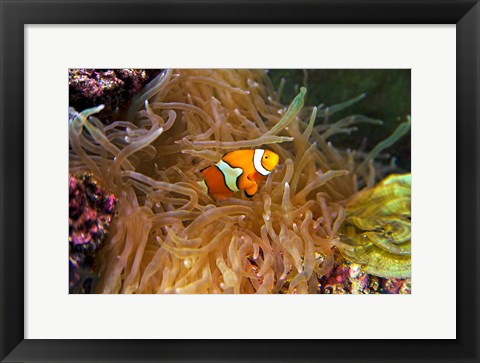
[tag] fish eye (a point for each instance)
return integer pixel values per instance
(266, 156)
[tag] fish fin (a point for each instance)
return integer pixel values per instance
(253, 177)
(250, 191)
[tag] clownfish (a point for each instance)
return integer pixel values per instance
(238, 170)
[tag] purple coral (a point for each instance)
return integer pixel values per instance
(396, 286)
(348, 278)
(91, 209)
(112, 87)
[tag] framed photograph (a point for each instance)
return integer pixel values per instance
(243, 181)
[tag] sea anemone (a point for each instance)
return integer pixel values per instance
(170, 236)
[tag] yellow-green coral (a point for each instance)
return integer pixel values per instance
(376, 232)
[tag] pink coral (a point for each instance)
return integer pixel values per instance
(90, 212)
(348, 278)
(112, 87)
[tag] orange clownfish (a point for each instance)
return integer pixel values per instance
(238, 170)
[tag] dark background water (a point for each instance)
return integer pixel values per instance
(388, 98)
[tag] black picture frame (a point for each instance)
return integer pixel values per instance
(15, 14)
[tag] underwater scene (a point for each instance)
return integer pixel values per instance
(239, 181)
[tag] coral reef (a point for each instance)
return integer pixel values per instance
(113, 87)
(376, 231)
(90, 212)
(349, 278)
(170, 236)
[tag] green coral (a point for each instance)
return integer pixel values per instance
(377, 229)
